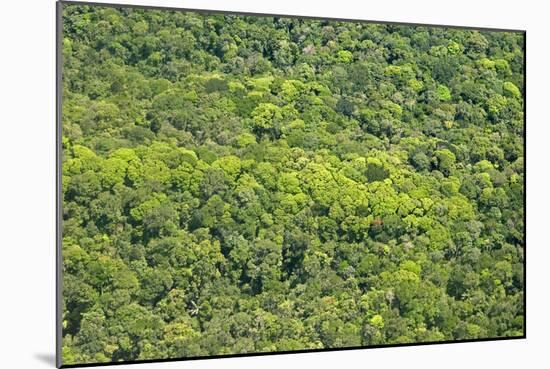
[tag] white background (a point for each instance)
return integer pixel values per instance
(27, 177)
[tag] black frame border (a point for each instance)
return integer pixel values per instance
(59, 198)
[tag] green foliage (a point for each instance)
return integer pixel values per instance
(445, 160)
(265, 118)
(511, 90)
(250, 184)
(443, 93)
(345, 56)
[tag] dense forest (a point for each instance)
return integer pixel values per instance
(239, 184)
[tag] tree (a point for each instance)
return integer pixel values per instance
(265, 119)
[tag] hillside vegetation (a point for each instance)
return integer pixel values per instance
(237, 184)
